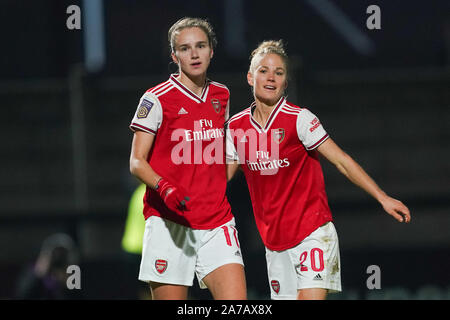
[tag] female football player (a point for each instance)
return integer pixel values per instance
(178, 130)
(277, 145)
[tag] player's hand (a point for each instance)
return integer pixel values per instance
(396, 209)
(171, 195)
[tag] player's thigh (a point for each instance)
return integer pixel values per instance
(163, 291)
(227, 282)
(312, 294)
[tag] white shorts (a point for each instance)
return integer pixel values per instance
(313, 263)
(173, 253)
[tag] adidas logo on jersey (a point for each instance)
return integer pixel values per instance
(182, 111)
(317, 277)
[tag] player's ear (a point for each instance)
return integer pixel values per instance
(211, 54)
(174, 57)
(250, 78)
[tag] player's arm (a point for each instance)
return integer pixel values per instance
(141, 169)
(356, 174)
(139, 166)
(231, 155)
(232, 167)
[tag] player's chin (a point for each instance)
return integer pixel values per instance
(269, 100)
(196, 72)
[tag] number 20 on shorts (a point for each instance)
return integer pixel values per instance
(316, 258)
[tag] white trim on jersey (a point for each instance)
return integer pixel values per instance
(166, 89)
(230, 149)
(271, 118)
(309, 130)
(288, 111)
(227, 111)
(238, 115)
(187, 92)
(160, 87)
(153, 120)
(217, 84)
(318, 143)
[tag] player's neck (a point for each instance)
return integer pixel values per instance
(262, 112)
(195, 84)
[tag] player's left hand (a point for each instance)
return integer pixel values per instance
(396, 209)
(174, 198)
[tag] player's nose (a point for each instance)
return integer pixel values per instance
(194, 54)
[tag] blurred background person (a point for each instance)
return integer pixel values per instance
(47, 278)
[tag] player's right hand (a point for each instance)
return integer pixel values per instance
(396, 209)
(172, 196)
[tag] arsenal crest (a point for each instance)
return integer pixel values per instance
(161, 265)
(278, 135)
(275, 286)
(216, 105)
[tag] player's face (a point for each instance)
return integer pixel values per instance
(269, 79)
(192, 52)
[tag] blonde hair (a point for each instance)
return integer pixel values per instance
(188, 22)
(266, 47)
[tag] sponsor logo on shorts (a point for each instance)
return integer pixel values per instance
(317, 277)
(275, 286)
(161, 266)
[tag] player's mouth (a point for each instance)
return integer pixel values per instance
(269, 87)
(196, 64)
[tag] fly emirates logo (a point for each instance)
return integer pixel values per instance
(203, 130)
(202, 145)
(266, 164)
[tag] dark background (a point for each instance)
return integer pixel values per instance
(385, 103)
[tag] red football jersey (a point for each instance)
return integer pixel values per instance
(188, 150)
(282, 170)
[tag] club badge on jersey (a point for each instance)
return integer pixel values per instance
(278, 135)
(216, 105)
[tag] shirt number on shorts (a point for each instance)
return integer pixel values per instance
(316, 257)
(227, 235)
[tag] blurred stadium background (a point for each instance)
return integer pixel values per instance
(383, 95)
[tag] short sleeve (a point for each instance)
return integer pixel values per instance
(227, 110)
(309, 129)
(148, 115)
(231, 153)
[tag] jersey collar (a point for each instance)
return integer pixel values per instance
(199, 99)
(273, 115)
